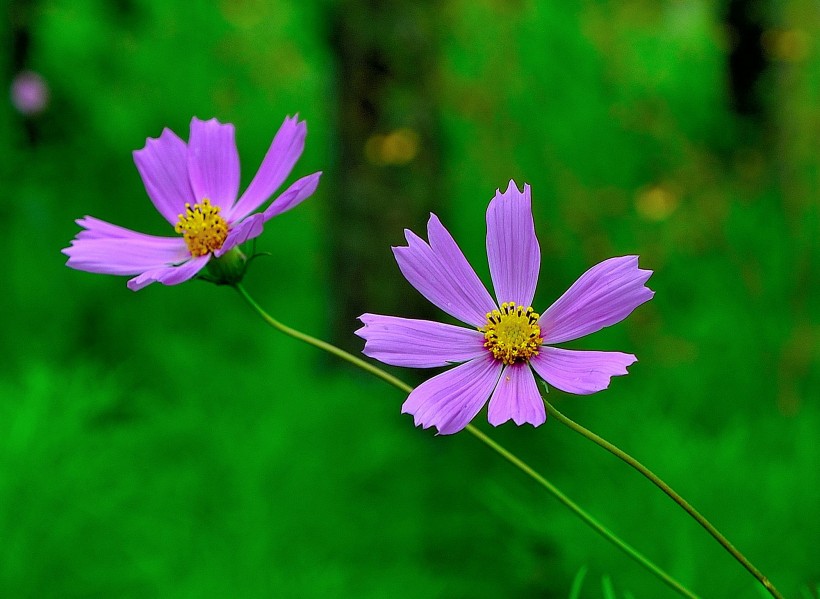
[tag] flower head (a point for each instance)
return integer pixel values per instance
(507, 339)
(29, 93)
(195, 187)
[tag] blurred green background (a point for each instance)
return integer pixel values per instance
(165, 444)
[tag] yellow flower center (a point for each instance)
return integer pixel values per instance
(202, 228)
(512, 333)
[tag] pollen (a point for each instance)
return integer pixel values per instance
(512, 333)
(202, 228)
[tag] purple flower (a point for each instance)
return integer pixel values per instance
(29, 93)
(508, 340)
(195, 187)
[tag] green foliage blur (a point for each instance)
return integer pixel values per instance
(166, 444)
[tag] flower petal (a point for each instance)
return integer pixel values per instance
(94, 228)
(441, 273)
(163, 166)
(170, 275)
(248, 229)
(605, 294)
(282, 155)
(516, 397)
(450, 400)
(512, 248)
(108, 249)
(418, 343)
(293, 195)
(580, 372)
(213, 163)
(252, 225)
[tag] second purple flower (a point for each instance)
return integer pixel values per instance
(195, 186)
(508, 339)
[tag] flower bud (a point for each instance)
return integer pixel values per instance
(229, 268)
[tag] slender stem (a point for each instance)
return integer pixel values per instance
(581, 513)
(658, 482)
(506, 454)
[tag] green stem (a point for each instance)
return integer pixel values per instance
(658, 482)
(506, 454)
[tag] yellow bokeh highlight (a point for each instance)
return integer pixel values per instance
(656, 203)
(787, 45)
(396, 148)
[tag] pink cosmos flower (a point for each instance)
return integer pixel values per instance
(195, 187)
(508, 340)
(29, 93)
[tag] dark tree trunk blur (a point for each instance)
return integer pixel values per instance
(387, 177)
(20, 14)
(744, 21)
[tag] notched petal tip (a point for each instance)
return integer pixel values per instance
(294, 195)
(153, 142)
(292, 129)
(412, 239)
(512, 188)
(433, 220)
(362, 331)
(211, 121)
(367, 319)
(293, 120)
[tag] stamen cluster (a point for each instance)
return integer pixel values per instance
(512, 333)
(202, 228)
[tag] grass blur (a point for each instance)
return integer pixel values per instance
(165, 443)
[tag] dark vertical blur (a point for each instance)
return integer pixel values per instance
(388, 174)
(20, 14)
(747, 61)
